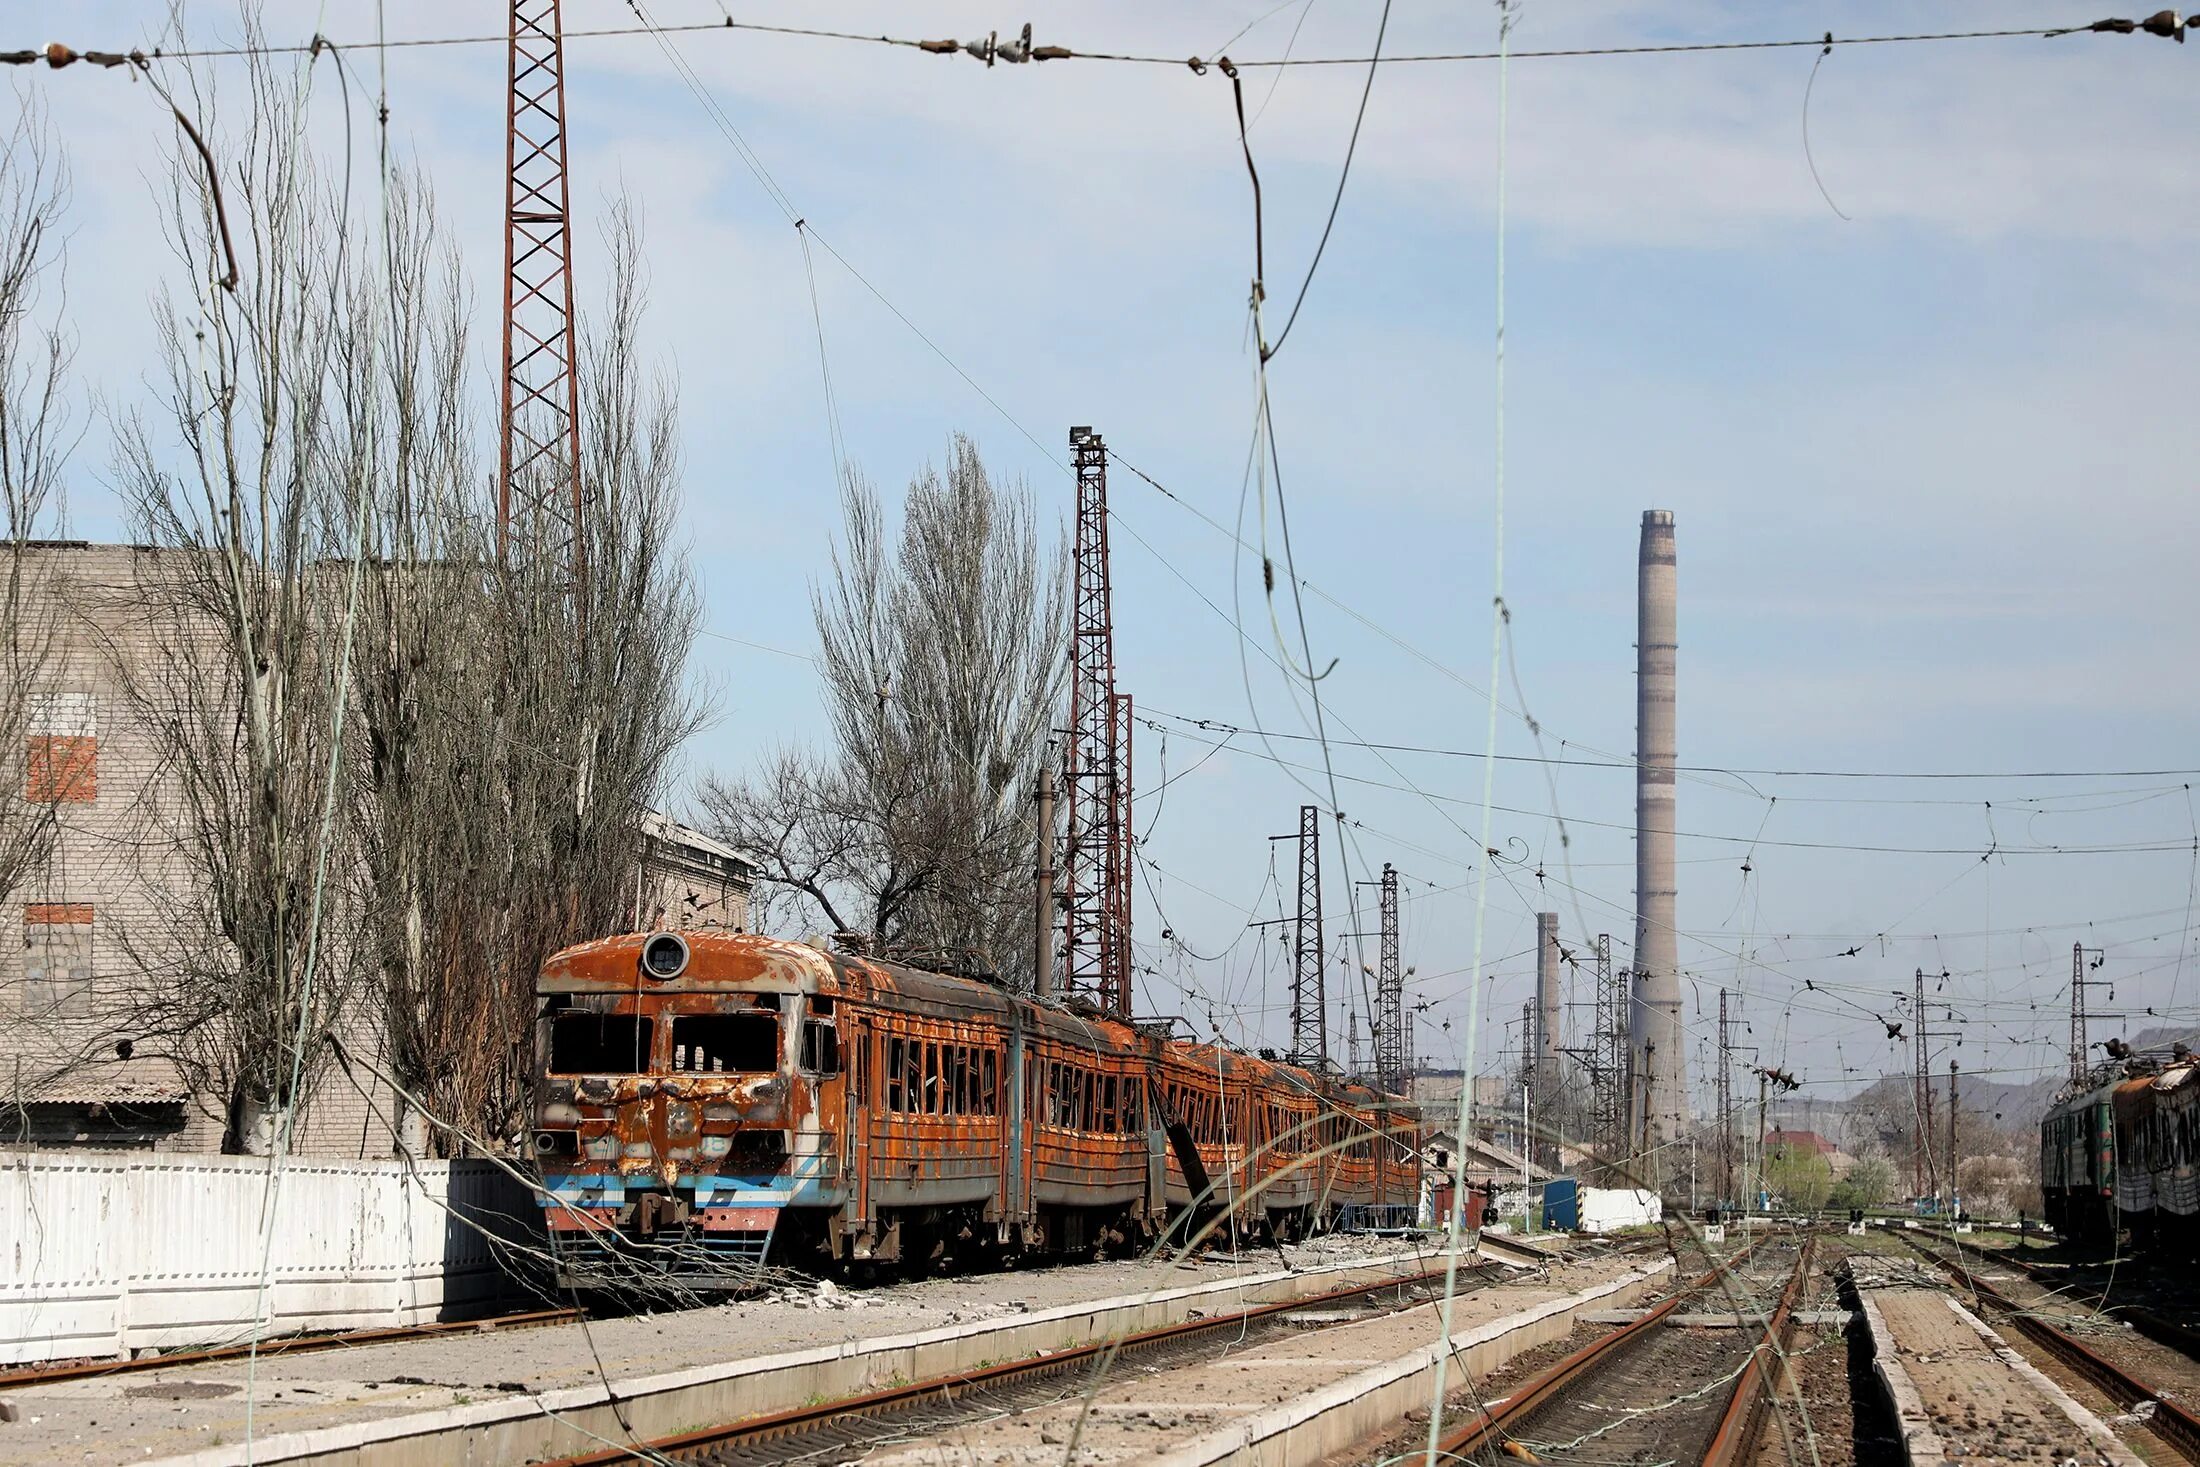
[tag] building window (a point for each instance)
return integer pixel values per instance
(57, 960)
(61, 760)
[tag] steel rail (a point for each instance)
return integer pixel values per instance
(289, 1345)
(1744, 1415)
(946, 1387)
(2171, 1422)
(2182, 1338)
(1494, 1422)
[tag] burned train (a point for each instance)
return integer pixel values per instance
(2120, 1159)
(704, 1098)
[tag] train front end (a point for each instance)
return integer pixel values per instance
(684, 1085)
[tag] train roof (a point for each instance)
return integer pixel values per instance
(718, 957)
(2175, 1080)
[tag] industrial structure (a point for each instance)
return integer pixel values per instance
(2081, 1066)
(1096, 865)
(1658, 1066)
(1393, 1031)
(1544, 1050)
(1602, 1061)
(541, 501)
(1309, 983)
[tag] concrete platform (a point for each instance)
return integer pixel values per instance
(1961, 1394)
(493, 1397)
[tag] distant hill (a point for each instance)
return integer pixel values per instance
(2009, 1106)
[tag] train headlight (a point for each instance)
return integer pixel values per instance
(664, 956)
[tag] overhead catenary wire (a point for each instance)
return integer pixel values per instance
(1344, 175)
(1224, 726)
(2146, 847)
(982, 50)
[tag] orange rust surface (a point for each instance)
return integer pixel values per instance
(920, 1111)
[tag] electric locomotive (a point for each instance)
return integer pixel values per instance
(2120, 1156)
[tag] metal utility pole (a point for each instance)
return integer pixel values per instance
(1096, 869)
(1927, 1169)
(1042, 970)
(1121, 856)
(541, 499)
(1767, 1078)
(1955, 1201)
(1921, 1094)
(1726, 1106)
(1528, 1079)
(2080, 1066)
(1352, 1045)
(1544, 1056)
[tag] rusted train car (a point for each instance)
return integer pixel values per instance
(705, 1097)
(2124, 1158)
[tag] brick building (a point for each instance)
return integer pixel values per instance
(77, 937)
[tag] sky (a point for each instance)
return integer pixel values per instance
(1918, 421)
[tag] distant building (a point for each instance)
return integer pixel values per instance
(79, 939)
(1486, 1161)
(684, 879)
(67, 1076)
(1780, 1140)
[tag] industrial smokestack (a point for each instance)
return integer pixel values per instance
(1658, 1092)
(1546, 1035)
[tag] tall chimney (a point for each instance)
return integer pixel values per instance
(1658, 1092)
(1546, 1035)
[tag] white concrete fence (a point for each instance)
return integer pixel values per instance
(113, 1255)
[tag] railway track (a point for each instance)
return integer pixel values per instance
(34, 1375)
(1579, 1403)
(2070, 1278)
(2047, 1324)
(843, 1429)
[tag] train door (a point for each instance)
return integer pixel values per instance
(862, 1062)
(1016, 1209)
(1147, 1089)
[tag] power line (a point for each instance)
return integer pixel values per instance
(1213, 725)
(1351, 149)
(991, 49)
(2140, 847)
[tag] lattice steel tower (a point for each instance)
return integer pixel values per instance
(2081, 1048)
(1393, 1036)
(1309, 983)
(1608, 1080)
(541, 500)
(1096, 865)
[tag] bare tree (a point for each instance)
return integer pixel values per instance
(37, 432)
(514, 731)
(248, 483)
(943, 659)
(44, 730)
